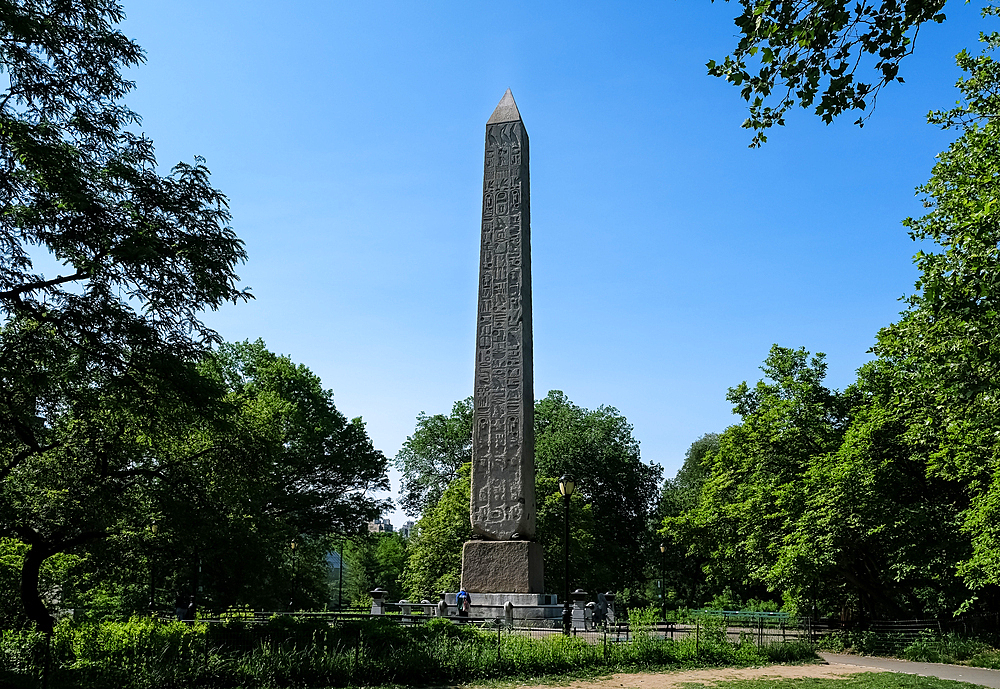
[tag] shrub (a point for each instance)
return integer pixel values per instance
(144, 653)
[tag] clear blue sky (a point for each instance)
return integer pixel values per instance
(667, 256)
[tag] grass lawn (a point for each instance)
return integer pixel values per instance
(867, 680)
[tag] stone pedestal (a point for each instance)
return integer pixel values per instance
(503, 566)
(516, 609)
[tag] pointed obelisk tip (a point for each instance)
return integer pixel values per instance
(506, 110)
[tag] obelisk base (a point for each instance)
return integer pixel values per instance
(503, 567)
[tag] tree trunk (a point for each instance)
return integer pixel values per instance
(34, 608)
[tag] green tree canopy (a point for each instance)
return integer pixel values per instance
(684, 582)
(230, 485)
(375, 560)
(434, 561)
(597, 448)
(816, 498)
(430, 459)
(143, 253)
(810, 53)
(945, 347)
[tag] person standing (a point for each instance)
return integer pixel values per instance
(464, 602)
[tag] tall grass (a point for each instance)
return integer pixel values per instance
(144, 653)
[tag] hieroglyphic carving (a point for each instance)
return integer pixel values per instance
(503, 467)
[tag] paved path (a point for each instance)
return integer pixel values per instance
(962, 673)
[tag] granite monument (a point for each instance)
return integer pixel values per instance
(503, 557)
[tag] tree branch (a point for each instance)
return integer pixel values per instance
(43, 284)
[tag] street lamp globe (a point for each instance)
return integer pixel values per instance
(567, 484)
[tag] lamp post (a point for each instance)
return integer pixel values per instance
(340, 592)
(663, 579)
(291, 602)
(153, 528)
(566, 486)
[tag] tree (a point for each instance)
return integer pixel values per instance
(793, 52)
(285, 465)
(684, 579)
(230, 484)
(375, 560)
(944, 346)
(597, 448)
(316, 469)
(430, 459)
(754, 483)
(684, 490)
(86, 352)
(816, 496)
(434, 563)
(585, 550)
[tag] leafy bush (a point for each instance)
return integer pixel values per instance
(950, 648)
(988, 659)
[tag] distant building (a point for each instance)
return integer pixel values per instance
(380, 526)
(406, 529)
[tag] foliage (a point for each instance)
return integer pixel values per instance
(430, 459)
(375, 560)
(753, 490)
(231, 485)
(315, 468)
(684, 490)
(944, 345)
(795, 52)
(684, 581)
(144, 253)
(434, 562)
(584, 549)
(91, 358)
(948, 648)
(282, 465)
(597, 448)
(815, 496)
(144, 653)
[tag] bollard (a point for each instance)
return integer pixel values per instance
(508, 613)
(378, 602)
(579, 612)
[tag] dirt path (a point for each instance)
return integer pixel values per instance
(674, 680)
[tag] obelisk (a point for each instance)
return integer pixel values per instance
(504, 558)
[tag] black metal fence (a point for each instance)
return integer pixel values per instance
(892, 637)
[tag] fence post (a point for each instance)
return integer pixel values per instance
(697, 627)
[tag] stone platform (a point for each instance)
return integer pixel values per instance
(533, 609)
(514, 566)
